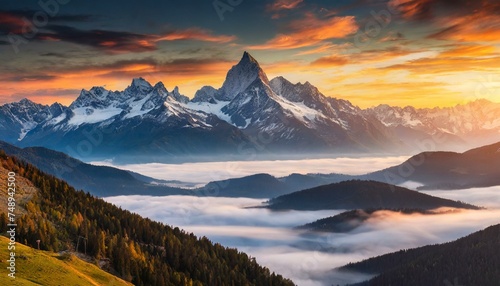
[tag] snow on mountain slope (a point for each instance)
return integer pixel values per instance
(302, 112)
(476, 123)
(298, 112)
(291, 117)
(139, 99)
(18, 118)
(143, 120)
(241, 76)
(248, 96)
(84, 115)
(307, 98)
(459, 120)
(205, 94)
(213, 107)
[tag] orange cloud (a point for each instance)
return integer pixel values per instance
(321, 49)
(195, 34)
(283, 5)
(448, 64)
(310, 31)
(341, 56)
(470, 51)
(479, 27)
(412, 9)
(461, 20)
(330, 61)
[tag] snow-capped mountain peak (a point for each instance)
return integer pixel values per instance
(300, 92)
(139, 86)
(137, 100)
(178, 96)
(206, 94)
(241, 76)
(96, 97)
(21, 117)
(291, 117)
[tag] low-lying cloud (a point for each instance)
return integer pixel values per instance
(309, 259)
(214, 171)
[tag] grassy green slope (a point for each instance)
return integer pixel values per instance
(37, 267)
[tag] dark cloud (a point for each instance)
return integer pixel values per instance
(11, 23)
(46, 92)
(19, 22)
(119, 68)
(22, 21)
(58, 17)
(52, 54)
(29, 77)
(103, 39)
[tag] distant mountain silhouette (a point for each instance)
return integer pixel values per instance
(356, 194)
(98, 180)
(350, 220)
(267, 186)
(478, 167)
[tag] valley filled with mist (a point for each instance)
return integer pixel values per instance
(275, 238)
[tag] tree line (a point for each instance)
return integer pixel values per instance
(139, 250)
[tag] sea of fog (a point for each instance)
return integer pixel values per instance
(308, 259)
(202, 173)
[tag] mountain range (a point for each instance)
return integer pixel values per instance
(248, 116)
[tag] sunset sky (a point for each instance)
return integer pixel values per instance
(423, 53)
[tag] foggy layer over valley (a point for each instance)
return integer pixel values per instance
(309, 258)
(205, 172)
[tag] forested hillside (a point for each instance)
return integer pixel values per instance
(141, 251)
(471, 260)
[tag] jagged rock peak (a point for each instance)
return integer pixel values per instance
(139, 85)
(248, 58)
(240, 76)
(205, 94)
(178, 96)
